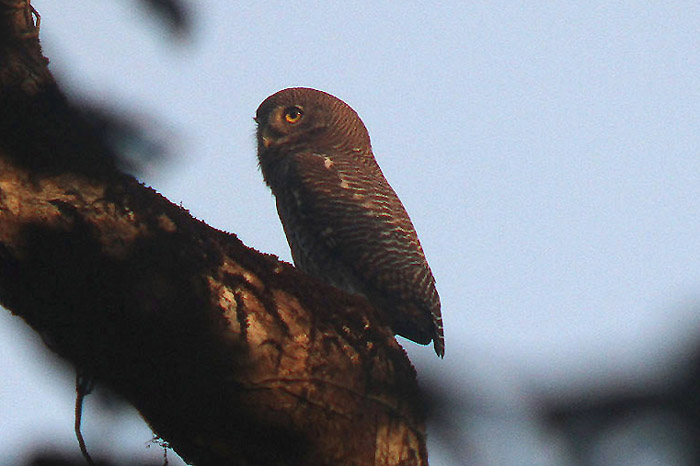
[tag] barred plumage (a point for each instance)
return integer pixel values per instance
(344, 223)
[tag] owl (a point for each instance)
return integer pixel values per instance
(345, 225)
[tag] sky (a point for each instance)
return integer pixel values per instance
(547, 152)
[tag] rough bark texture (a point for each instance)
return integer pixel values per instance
(232, 356)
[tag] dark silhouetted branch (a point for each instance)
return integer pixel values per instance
(232, 356)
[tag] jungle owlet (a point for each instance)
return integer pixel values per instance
(344, 223)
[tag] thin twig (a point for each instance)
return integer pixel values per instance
(83, 386)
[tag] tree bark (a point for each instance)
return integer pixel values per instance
(231, 356)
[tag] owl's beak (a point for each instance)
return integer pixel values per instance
(265, 137)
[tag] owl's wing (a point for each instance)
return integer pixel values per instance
(348, 208)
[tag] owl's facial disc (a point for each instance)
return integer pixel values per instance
(281, 125)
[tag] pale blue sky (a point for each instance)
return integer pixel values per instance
(548, 153)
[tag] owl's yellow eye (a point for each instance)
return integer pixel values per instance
(292, 115)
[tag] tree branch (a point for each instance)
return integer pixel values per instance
(232, 356)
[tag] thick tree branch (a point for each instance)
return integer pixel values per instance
(232, 356)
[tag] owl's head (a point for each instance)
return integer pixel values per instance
(303, 119)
